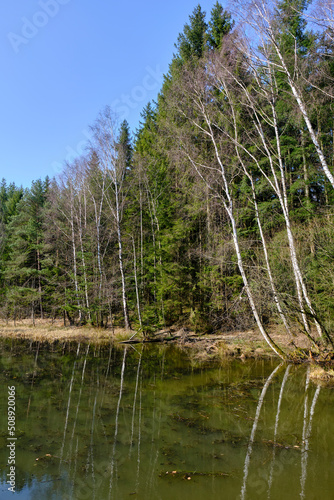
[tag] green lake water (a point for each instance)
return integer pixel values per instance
(149, 423)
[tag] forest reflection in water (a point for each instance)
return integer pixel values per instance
(151, 423)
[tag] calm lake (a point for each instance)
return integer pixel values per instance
(150, 423)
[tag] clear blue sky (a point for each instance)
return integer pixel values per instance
(64, 60)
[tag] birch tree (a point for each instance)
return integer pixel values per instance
(261, 103)
(105, 144)
(261, 19)
(193, 102)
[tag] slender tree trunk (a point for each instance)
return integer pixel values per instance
(136, 283)
(154, 252)
(39, 283)
(33, 313)
(160, 252)
(281, 191)
(305, 171)
(268, 267)
(121, 267)
(84, 267)
(265, 335)
(98, 214)
(76, 286)
(141, 239)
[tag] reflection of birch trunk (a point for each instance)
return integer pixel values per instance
(75, 468)
(307, 429)
(112, 462)
(276, 427)
(79, 399)
(139, 439)
(68, 406)
(251, 439)
(91, 452)
(154, 452)
(134, 403)
(33, 376)
(106, 375)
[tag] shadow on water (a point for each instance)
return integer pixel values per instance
(97, 422)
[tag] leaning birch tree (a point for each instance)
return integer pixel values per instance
(191, 105)
(260, 102)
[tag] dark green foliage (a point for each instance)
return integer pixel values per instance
(220, 25)
(124, 145)
(191, 42)
(292, 25)
(24, 270)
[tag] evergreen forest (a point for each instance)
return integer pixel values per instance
(216, 213)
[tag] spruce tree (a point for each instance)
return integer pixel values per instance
(220, 25)
(191, 42)
(24, 270)
(124, 147)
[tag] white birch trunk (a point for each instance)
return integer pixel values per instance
(257, 216)
(83, 263)
(228, 204)
(120, 259)
(136, 283)
(302, 107)
(75, 275)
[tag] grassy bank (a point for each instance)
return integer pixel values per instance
(47, 331)
(245, 344)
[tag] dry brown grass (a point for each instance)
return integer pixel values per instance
(246, 344)
(320, 374)
(46, 331)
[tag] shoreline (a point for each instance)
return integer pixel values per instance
(243, 344)
(202, 349)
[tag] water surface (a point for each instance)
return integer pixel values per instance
(152, 424)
